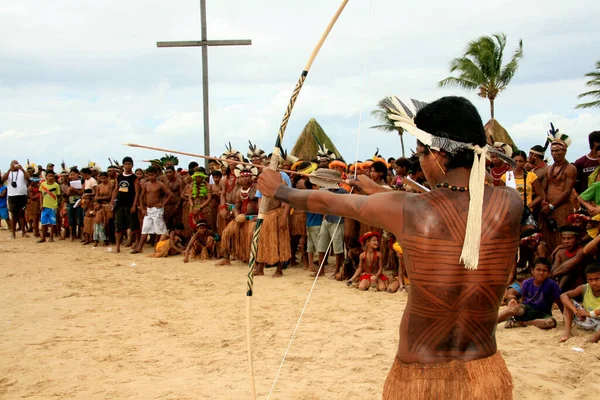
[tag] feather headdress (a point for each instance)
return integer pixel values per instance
(169, 158)
(403, 113)
(287, 157)
(230, 152)
(558, 138)
(245, 169)
(322, 151)
(255, 151)
(504, 148)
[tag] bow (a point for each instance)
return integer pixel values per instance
(265, 202)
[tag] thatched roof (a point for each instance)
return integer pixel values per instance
(496, 133)
(306, 145)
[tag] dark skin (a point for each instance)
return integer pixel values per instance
(557, 189)
(451, 312)
(14, 168)
(128, 166)
(570, 311)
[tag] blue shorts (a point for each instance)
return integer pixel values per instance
(48, 216)
(4, 213)
(516, 286)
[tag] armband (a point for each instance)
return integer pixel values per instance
(222, 207)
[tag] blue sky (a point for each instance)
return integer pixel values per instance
(79, 79)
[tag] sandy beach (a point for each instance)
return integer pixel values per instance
(85, 323)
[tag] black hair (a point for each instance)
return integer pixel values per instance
(528, 232)
(141, 170)
(539, 149)
(403, 162)
(170, 168)
(50, 172)
(152, 170)
(380, 167)
(415, 165)
(104, 174)
(179, 169)
(592, 268)
(520, 153)
(192, 165)
(127, 159)
(179, 227)
(454, 118)
(389, 160)
(202, 169)
(74, 170)
(543, 261)
(594, 137)
(86, 171)
(216, 172)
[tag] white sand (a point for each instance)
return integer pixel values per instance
(78, 322)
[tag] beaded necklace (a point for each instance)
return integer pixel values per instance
(554, 176)
(451, 187)
(571, 254)
(230, 184)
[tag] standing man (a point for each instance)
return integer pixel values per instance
(537, 163)
(587, 163)
(557, 188)
(173, 207)
(124, 203)
(447, 346)
(16, 179)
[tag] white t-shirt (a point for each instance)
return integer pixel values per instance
(19, 177)
(89, 183)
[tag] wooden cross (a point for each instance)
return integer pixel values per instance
(204, 43)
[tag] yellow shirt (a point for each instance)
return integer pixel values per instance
(531, 177)
(590, 302)
(50, 195)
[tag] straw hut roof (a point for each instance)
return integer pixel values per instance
(306, 146)
(495, 132)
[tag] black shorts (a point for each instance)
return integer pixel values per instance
(17, 204)
(531, 313)
(124, 219)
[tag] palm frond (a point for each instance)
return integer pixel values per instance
(508, 72)
(458, 82)
(589, 105)
(592, 93)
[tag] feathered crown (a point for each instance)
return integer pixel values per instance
(113, 163)
(504, 147)
(156, 163)
(231, 152)
(378, 157)
(255, 151)
(241, 168)
(322, 151)
(169, 158)
(287, 157)
(557, 138)
(92, 165)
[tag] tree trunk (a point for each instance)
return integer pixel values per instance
(402, 142)
(492, 108)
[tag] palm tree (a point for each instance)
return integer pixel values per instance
(387, 124)
(481, 67)
(594, 82)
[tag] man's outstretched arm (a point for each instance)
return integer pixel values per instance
(383, 210)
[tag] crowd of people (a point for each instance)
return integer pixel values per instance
(205, 214)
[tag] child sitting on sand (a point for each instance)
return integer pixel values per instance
(170, 244)
(370, 267)
(202, 245)
(539, 293)
(588, 312)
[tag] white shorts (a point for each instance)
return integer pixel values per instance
(154, 221)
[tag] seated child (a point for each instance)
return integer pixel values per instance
(170, 244)
(569, 260)
(400, 279)
(202, 245)
(587, 313)
(370, 267)
(539, 293)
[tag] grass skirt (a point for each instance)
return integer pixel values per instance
(485, 379)
(274, 242)
(298, 223)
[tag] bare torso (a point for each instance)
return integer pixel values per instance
(557, 181)
(154, 192)
(451, 311)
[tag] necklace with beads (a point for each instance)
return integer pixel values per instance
(245, 193)
(452, 187)
(230, 184)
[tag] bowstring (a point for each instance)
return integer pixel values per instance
(360, 115)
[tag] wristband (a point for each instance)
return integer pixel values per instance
(593, 314)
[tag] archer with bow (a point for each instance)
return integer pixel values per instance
(459, 241)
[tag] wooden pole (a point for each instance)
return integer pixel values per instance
(205, 80)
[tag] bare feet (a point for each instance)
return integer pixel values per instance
(117, 249)
(135, 251)
(51, 240)
(129, 244)
(314, 274)
(565, 337)
(224, 261)
(277, 274)
(41, 241)
(25, 235)
(96, 245)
